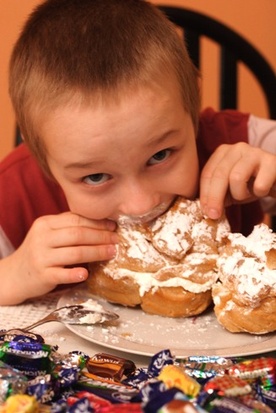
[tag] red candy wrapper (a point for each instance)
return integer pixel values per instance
(263, 368)
(101, 405)
(228, 386)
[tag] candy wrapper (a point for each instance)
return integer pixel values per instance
(11, 382)
(174, 376)
(228, 386)
(262, 369)
(108, 366)
(202, 368)
(20, 403)
(16, 333)
(113, 392)
(27, 354)
(160, 360)
(34, 376)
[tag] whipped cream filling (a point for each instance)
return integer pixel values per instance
(148, 280)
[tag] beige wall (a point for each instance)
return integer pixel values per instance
(254, 19)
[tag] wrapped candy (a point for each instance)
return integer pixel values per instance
(33, 375)
(174, 376)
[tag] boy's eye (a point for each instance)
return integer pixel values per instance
(96, 179)
(160, 156)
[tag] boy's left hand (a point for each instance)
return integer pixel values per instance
(234, 174)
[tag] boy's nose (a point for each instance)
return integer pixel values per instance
(138, 201)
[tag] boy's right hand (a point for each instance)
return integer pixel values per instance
(234, 174)
(51, 252)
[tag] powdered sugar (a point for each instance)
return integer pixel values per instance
(261, 239)
(93, 305)
(166, 247)
(246, 269)
(140, 248)
(172, 232)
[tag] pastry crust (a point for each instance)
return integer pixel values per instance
(167, 267)
(245, 295)
(182, 262)
(237, 317)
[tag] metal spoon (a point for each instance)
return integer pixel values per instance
(75, 314)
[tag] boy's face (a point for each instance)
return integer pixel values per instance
(128, 158)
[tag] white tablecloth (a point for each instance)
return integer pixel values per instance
(55, 333)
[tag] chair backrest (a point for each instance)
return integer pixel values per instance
(233, 49)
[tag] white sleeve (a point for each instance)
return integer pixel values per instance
(6, 248)
(262, 134)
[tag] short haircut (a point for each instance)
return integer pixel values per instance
(89, 50)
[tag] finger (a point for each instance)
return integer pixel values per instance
(241, 180)
(264, 184)
(208, 172)
(59, 275)
(214, 181)
(64, 256)
(75, 274)
(74, 236)
(69, 219)
(252, 175)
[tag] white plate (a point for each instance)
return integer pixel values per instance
(144, 334)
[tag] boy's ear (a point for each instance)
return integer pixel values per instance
(18, 136)
(199, 82)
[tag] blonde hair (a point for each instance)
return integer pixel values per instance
(93, 49)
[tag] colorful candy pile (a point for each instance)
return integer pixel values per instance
(34, 377)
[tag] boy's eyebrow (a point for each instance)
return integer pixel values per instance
(161, 138)
(96, 163)
(82, 165)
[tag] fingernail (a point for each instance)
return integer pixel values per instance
(81, 276)
(112, 250)
(213, 213)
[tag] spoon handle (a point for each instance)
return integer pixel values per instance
(47, 319)
(53, 316)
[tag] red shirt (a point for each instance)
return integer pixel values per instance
(26, 193)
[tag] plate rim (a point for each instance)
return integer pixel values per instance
(132, 347)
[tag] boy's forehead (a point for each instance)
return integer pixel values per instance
(144, 108)
(158, 84)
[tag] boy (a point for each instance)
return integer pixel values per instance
(107, 102)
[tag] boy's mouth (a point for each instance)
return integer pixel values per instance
(145, 218)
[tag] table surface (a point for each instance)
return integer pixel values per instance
(56, 333)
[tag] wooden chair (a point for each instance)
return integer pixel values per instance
(233, 50)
